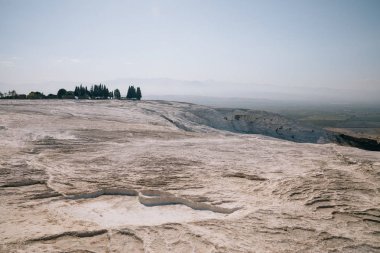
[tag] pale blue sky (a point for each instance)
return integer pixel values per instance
(312, 44)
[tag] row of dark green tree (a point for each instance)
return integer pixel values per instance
(96, 92)
(80, 92)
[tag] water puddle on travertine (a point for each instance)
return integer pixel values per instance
(112, 211)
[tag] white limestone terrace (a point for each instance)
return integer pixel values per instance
(191, 117)
(158, 176)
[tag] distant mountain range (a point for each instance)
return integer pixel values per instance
(210, 90)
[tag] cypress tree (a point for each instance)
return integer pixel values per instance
(133, 92)
(138, 93)
(129, 92)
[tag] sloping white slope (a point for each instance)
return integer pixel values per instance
(156, 176)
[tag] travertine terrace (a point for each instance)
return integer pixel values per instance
(150, 176)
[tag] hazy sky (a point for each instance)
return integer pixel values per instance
(312, 44)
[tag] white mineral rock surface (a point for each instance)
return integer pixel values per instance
(157, 176)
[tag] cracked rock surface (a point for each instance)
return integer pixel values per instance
(150, 176)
